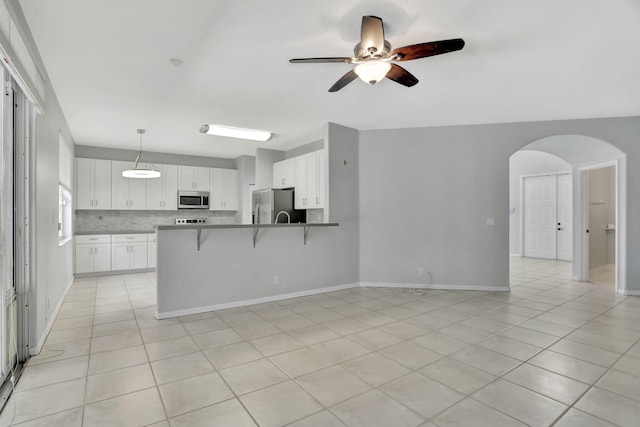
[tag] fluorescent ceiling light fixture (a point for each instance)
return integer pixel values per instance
(372, 71)
(137, 172)
(252, 134)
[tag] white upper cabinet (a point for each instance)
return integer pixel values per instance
(93, 184)
(162, 193)
(284, 174)
(127, 193)
(309, 173)
(224, 190)
(193, 178)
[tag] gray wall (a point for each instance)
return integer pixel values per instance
(601, 212)
(227, 268)
(425, 195)
(304, 149)
(264, 166)
(153, 157)
(54, 264)
(522, 163)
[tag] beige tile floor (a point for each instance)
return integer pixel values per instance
(551, 351)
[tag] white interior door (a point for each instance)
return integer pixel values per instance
(540, 216)
(565, 217)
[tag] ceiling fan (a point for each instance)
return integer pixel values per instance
(374, 57)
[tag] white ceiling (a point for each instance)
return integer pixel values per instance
(109, 64)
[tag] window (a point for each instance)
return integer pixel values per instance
(64, 215)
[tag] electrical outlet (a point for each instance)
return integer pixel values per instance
(276, 280)
(421, 271)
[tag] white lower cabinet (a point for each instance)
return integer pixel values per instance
(93, 253)
(151, 251)
(128, 251)
(115, 252)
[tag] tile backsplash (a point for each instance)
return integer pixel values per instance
(113, 221)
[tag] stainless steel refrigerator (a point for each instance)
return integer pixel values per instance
(275, 206)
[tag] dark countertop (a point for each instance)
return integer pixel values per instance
(86, 233)
(211, 226)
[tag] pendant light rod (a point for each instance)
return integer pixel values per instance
(140, 173)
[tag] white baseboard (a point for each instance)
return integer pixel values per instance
(253, 301)
(515, 255)
(54, 316)
(435, 286)
(630, 293)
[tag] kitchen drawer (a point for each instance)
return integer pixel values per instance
(128, 238)
(151, 237)
(93, 238)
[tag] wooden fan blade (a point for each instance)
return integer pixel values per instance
(321, 60)
(372, 34)
(344, 80)
(422, 50)
(402, 76)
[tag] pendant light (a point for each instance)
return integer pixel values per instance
(136, 172)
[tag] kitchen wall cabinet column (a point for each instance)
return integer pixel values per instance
(93, 184)
(193, 178)
(162, 193)
(309, 172)
(127, 193)
(224, 190)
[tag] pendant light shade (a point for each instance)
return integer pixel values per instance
(137, 172)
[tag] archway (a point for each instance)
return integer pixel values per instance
(584, 154)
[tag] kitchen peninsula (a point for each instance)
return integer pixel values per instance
(228, 271)
(210, 267)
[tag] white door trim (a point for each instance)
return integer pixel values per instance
(581, 224)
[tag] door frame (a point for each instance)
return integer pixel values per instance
(521, 214)
(581, 270)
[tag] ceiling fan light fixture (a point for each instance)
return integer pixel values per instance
(240, 133)
(372, 71)
(135, 171)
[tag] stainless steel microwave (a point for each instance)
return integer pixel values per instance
(193, 200)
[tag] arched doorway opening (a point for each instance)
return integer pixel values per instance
(579, 156)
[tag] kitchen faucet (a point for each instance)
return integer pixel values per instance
(286, 213)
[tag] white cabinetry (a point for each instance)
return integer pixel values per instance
(93, 253)
(93, 184)
(284, 174)
(162, 193)
(309, 173)
(128, 251)
(193, 178)
(127, 193)
(224, 190)
(151, 250)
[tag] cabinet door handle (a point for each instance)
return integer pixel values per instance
(317, 200)
(282, 181)
(96, 202)
(127, 249)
